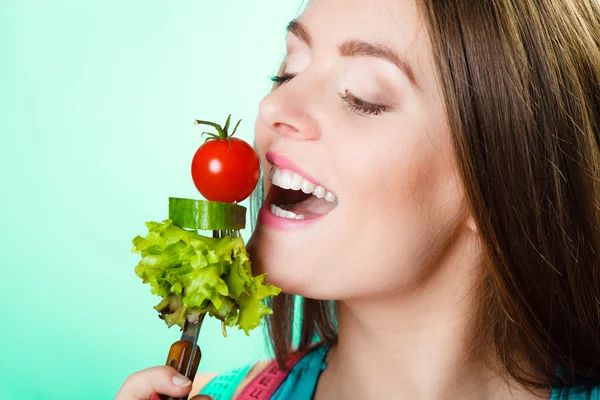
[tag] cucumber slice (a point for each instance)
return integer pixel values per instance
(206, 215)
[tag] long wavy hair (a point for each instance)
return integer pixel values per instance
(521, 85)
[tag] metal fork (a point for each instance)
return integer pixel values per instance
(185, 354)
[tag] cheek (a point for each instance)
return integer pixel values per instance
(386, 175)
(403, 203)
(400, 173)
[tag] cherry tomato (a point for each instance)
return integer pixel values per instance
(225, 170)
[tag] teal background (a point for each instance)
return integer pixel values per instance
(98, 101)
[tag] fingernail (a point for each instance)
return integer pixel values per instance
(182, 381)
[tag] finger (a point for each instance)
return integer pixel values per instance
(164, 380)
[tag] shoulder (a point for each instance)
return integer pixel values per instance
(201, 380)
(231, 383)
(253, 373)
(242, 375)
(576, 393)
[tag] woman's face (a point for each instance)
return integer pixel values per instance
(362, 118)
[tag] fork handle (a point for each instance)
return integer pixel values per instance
(179, 357)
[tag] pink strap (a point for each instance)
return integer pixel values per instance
(266, 383)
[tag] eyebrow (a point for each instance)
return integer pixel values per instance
(297, 29)
(358, 48)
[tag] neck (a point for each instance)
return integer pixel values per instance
(414, 345)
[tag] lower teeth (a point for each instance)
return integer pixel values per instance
(280, 212)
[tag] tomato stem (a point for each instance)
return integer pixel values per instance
(226, 128)
(223, 132)
(212, 135)
(236, 126)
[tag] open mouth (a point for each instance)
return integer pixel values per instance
(294, 197)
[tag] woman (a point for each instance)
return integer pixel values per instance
(457, 228)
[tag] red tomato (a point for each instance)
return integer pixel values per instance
(225, 170)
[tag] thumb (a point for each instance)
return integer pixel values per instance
(164, 380)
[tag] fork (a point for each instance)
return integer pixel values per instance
(185, 354)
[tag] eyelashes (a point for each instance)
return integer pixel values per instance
(352, 102)
(281, 79)
(359, 106)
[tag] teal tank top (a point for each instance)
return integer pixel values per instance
(300, 382)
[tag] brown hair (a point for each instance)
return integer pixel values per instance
(521, 83)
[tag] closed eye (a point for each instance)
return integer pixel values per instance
(359, 106)
(352, 102)
(281, 79)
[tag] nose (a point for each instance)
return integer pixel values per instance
(288, 113)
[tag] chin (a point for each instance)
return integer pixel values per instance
(293, 278)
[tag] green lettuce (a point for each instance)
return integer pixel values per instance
(196, 274)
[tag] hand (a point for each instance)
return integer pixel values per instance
(145, 384)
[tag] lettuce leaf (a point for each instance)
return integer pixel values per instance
(195, 274)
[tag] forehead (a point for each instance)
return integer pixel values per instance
(395, 23)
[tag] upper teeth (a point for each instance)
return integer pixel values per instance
(290, 180)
